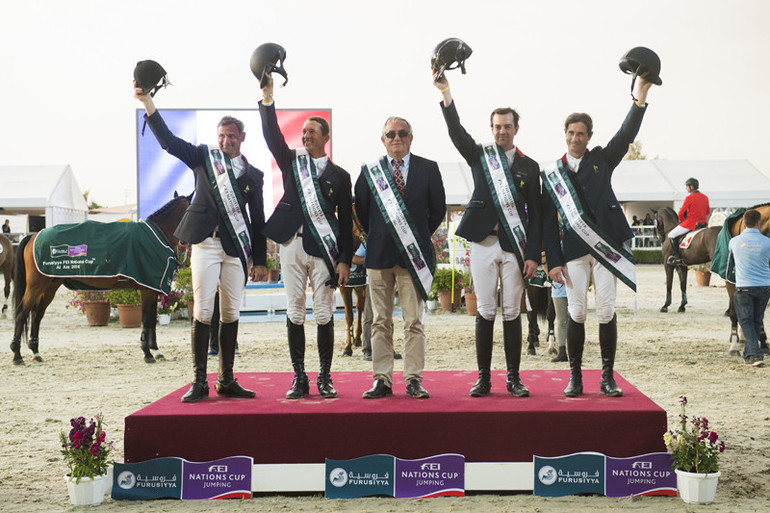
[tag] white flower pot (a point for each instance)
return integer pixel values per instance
(89, 492)
(164, 319)
(431, 304)
(697, 488)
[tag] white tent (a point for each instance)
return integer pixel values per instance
(49, 191)
(644, 184)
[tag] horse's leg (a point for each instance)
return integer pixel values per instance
(682, 270)
(347, 300)
(763, 340)
(360, 302)
(532, 328)
(669, 282)
(37, 316)
(7, 291)
(149, 322)
(735, 348)
(550, 316)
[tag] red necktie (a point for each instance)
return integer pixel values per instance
(397, 176)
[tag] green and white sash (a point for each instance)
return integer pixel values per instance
(400, 224)
(610, 254)
(508, 205)
(231, 204)
(324, 227)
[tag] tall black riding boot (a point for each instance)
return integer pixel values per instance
(676, 256)
(200, 344)
(484, 336)
(576, 338)
(227, 385)
(299, 385)
(325, 352)
(512, 346)
(214, 335)
(608, 342)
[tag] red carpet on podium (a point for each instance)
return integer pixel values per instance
(497, 428)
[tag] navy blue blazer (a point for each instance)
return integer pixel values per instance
(425, 201)
(335, 187)
(480, 215)
(593, 182)
(203, 216)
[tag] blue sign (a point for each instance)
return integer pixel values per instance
(160, 478)
(360, 477)
(582, 472)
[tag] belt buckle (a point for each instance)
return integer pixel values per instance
(215, 233)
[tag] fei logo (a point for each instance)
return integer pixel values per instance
(218, 468)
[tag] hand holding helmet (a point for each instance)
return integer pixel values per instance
(644, 63)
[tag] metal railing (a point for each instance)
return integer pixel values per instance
(645, 237)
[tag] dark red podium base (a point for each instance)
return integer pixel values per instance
(497, 428)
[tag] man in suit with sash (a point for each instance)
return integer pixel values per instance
(400, 201)
(313, 223)
(596, 234)
(224, 225)
(503, 222)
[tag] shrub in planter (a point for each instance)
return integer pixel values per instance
(125, 297)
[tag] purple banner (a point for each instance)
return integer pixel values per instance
(76, 251)
(227, 478)
(648, 474)
(434, 476)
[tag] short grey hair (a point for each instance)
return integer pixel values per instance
(396, 118)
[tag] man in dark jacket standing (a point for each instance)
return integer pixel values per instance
(595, 243)
(400, 201)
(313, 223)
(504, 224)
(224, 224)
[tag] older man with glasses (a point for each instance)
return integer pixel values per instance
(400, 202)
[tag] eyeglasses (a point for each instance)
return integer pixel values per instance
(403, 134)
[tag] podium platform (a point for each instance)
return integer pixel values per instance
(283, 435)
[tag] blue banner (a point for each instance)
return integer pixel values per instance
(582, 472)
(360, 477)
(160, 478)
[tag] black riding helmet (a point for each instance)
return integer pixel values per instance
(450, 54)
(638, 61)
(150, 76)
(268, 58)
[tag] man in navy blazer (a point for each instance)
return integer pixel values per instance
(302, 257)
(590, 174)
(493, 260)
(425, 201)
(214, 260)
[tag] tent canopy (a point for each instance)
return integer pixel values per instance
(52, 191)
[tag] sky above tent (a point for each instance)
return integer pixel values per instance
(67, 70)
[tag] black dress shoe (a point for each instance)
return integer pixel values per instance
(414, 389)
(197, 392)
(378, 391)
(233, 389)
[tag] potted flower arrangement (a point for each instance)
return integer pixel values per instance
(470, 297)
(183, 283)
(430, 304)
(86, 452)
(129, 304)
(167, 305)
(702, 274)
(93, 303)
(273, 262)
(449, 284)
(695, 450)
(440, 246)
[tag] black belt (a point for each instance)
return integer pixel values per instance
(299, 234)
(493, 233)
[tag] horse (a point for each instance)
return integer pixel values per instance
(700, 251)
(6, 264)
(33, 291)
(736, 229)
(359, 237)
(539, 300)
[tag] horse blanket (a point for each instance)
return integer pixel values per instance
(719, 262)
(137, 251)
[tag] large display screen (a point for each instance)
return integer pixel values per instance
(159, 174)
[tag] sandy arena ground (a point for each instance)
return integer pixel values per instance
(90, 370)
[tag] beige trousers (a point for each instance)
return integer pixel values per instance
(382, 284)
